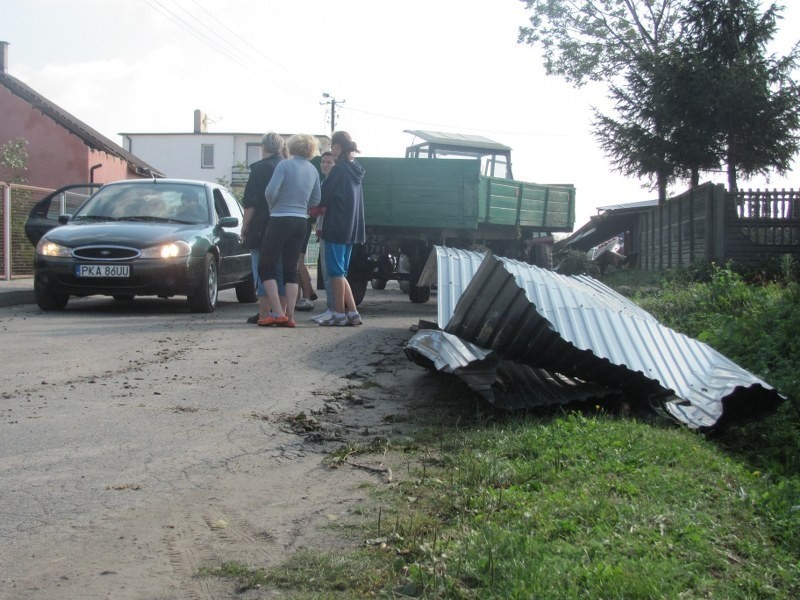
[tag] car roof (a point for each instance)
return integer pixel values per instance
(164, 181)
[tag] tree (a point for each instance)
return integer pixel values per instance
(690, 79)
(596, 40)
(622, 42)
(638, 142)
(14, 160)
(753, 103)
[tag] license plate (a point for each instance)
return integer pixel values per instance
(102, 271)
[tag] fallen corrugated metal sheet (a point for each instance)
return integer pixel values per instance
(580, 328)
(450, 270)
(505, 384)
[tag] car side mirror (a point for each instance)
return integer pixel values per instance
(228, 222)
(64, 219)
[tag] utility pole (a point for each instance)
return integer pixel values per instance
(332, 101)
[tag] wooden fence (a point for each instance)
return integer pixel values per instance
(707, 224)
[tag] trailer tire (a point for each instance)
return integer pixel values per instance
(541, 255)
(418, 294)
(358, 285)
(378, 284)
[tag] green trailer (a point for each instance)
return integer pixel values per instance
(413, 203)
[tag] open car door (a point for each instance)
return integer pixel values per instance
(65, 200)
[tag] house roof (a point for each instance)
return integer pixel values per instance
(319, 136)
(628, 205)
(90, 137)
(611, 221)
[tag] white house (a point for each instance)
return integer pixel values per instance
(202, 154)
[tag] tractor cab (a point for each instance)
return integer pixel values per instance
(495, 158)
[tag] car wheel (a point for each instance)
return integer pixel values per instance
(48, 300)
(204, 300)
(246, 291)
(378, 284)
(123, 297)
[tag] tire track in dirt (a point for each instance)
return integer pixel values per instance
(232, 528)
(180, 545)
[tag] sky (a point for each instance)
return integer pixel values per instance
(144, 66)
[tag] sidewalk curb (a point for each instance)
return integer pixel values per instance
(15, 297)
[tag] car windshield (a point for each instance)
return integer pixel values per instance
(168, 202)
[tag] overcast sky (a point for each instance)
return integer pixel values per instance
(144, 66)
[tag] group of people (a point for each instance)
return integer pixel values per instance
(283, 194)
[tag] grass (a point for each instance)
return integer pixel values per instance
(571, 506)
(586, 504)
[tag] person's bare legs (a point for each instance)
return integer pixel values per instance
(263, 307)
(339, 289)
(349, 300)
(291, 292)
(275, 304)
(304, 279)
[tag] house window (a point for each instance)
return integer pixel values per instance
(207, 156)
(253, 153)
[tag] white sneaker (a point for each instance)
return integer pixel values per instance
(335, 320)
(322, 317)
(304, 304)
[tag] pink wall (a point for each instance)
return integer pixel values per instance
(56, 157)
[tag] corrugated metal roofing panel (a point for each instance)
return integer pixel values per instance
(505, 384)
(582, 328)
(451, 270)
(579, 327)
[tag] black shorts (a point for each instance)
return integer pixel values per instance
(309, 227)
(282, 242)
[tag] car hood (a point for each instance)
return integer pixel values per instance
(128, 233)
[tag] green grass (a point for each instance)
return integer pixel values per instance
(572, 506)
(588, 505)
(597, 508)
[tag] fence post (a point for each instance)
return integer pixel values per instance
(717, 226)
(6, 231)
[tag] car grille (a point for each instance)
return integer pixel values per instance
(106, 252)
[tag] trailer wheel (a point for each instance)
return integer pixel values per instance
(541, 255)
(358, 285)
(418, 294)
(378, 284)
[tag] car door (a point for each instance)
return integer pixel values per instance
(65, 200)
(234, 259)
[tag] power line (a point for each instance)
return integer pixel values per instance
(269, 59)
(232, 52)
(459, 128)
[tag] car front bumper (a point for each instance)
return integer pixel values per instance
(147, 277)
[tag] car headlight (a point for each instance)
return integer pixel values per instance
(171, 250)
(48, 248)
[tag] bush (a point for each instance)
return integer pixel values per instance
(575, 262)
